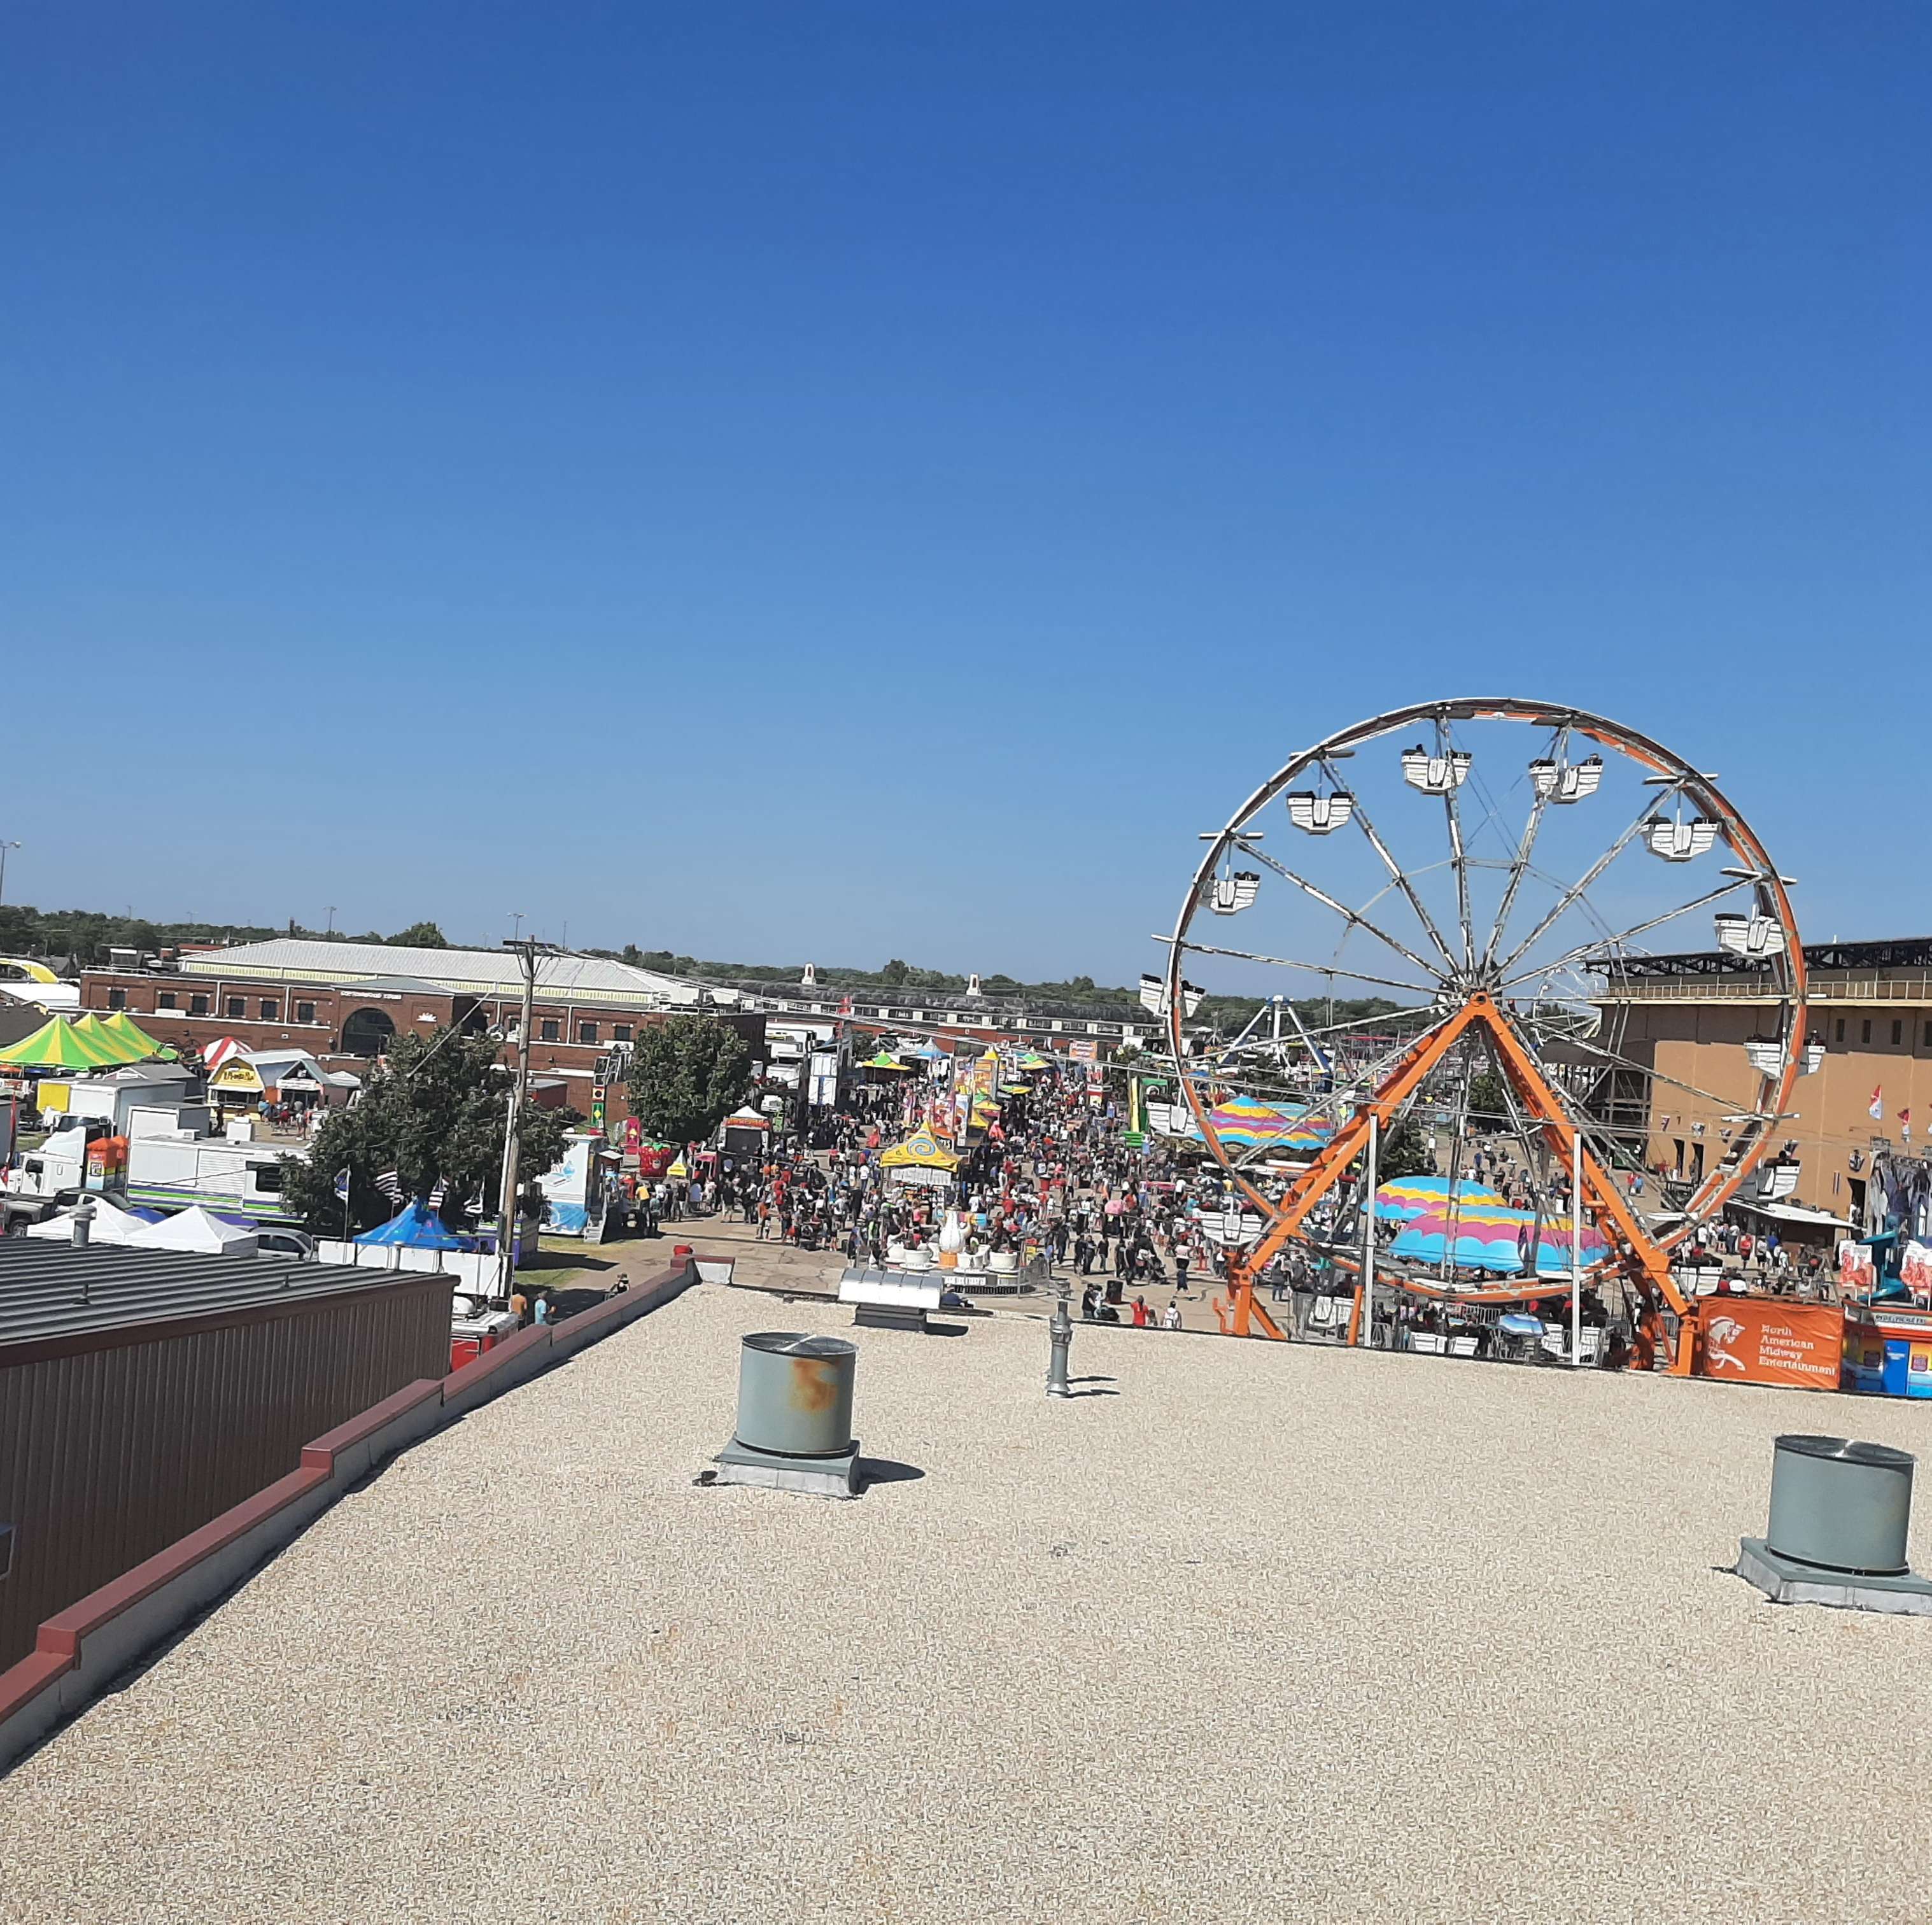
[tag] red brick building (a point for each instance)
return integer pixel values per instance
(344, 1002)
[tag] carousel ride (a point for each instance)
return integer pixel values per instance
(1436, 908)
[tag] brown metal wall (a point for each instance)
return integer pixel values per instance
(110, 1454)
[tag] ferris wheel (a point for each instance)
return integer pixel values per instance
(1455, 918)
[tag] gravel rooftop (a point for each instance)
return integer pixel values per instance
(1246, 1632)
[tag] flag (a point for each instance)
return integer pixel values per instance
(342, 1186)
(1875, 1108)
(391, 1187)
(436, 1195)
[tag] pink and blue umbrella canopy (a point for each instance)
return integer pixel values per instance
(1407, 1197)
(1496, 1239)
(1250, 1123)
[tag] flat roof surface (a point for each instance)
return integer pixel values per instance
(50, 1290)
(1246, 1632)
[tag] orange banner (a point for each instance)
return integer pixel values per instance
(1770, 1340)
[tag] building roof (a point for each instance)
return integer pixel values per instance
(1245, 1632)
(481, 972)
(19, 1021)
(405, 985)
(51, 1290)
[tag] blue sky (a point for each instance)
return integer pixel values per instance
(845, 481)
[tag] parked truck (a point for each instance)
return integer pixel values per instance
(166, 1161)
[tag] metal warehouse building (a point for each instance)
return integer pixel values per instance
(143, 1393)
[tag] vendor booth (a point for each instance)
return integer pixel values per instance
(919, 1160)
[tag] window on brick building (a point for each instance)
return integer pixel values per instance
(166, 1000)
(272, 1010)
(1897, 1031)
(197, 1006)
(304, 1012)
(586, 1032)
(1864, 1030)
(552, 1031)
(1840, 1036)
(1928, 1035)
(621, 1032)
(117, 999)
(237, 1005)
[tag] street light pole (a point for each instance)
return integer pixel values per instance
(506, 1213)
(3, 847)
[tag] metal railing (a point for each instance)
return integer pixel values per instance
(1757, 989)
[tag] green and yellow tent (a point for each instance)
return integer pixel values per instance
(58, 1044)
(131, 1033)
(100, 1034)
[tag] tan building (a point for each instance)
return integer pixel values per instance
(1687, 1018)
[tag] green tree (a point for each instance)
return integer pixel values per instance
(437, 1111)
(687, 1073)
(1403, 1153)
(893, 974)
(419, 936)
(1488, 1101)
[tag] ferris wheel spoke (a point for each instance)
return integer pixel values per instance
(1520, 864)
(1288, 962)
(1614, 940)
(1397, 874)
(1577, 890)
(1353, 917)
(1452, 813)
(1725, 1105)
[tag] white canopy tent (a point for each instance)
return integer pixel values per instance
(110, 1225)
(194, 1229)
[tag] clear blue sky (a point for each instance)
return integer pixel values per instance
(844, 480)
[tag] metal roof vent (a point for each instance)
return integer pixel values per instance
(1840, 1514)
(794, 1428)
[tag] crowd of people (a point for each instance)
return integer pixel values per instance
(1059, 1182)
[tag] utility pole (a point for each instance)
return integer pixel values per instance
(527, 951)
(3, 847)
(331, 919)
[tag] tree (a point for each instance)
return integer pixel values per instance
(419, 936)
(893, 974)
(1488, 1101)
(687, 1073)
(1403, 1153)
(435, 1113)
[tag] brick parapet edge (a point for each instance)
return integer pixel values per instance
(78, 1649)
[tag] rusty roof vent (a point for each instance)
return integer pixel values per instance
(794, 1427)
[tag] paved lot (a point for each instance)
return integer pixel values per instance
(1266, 1633)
